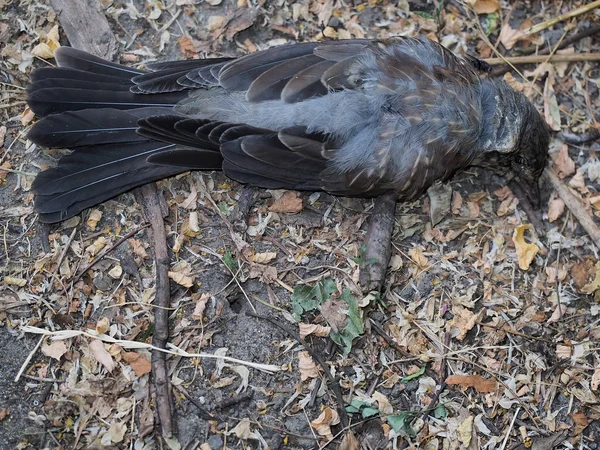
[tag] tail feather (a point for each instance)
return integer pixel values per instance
(96, 108)
(77, 59)
(56, 208)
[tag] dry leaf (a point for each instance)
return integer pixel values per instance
(333, 312)
(509, 36)
(55, 350)
(96, 246)
(263, 258)
(309, 328)
(417, 256)
(180, 278)
(187, 46)
(477, 382)
(103, 325)
(457, 202)
(101, 355)
(557, 314)
(324, 422)
(308, 368)
(116, 272)
(95, 216)
(14, 281)
(138, 362)
(595, 383)
(465, 431)
(556, 208)
(551, 111)
(349, 442)
(563, 164)
(242, 430)
(464, 320)
(525, 252)
(201, 302)
(289, 202)
(484, 6)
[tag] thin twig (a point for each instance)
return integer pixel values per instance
(108, 250)
(568, 15)
(574, 204)
(535, 59)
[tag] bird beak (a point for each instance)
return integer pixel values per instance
(532, 192)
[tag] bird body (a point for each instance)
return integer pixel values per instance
(353, 117)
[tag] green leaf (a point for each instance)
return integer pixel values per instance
(353, 328)
(230, 261)
(424, 14)
(364, 408)
(224, 208)
(401, 423)
(412, 376)
(308, 298)
(440, 412)
(490, 24)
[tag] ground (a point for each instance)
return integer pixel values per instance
(480, 338)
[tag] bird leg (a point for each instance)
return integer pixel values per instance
(378, 242)
(239, 216)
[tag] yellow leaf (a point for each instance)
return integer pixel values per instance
(525, 252)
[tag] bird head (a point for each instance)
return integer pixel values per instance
(530, 156)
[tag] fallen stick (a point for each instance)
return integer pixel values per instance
(160, 375)
(584, 218)
(378, 242)
(536, 59)
(86, 27)
(568, 15)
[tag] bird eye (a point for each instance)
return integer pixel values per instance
(520, 160)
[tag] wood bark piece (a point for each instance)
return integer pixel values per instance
(86, 27)
(378, 242)
(574, 204)
(160, 375)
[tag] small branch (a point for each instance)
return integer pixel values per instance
(565, 43)
(378, 242)
(164, 401)
(333, 384)
(536, 59)
(107, 251)
(574, 204)
(569, 15)
(86, 27)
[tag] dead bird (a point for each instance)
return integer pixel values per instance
(350, 117)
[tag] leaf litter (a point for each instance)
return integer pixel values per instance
(487, 331)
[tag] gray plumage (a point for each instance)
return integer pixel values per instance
(352, 117)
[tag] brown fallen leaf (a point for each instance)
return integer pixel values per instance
(101, 355)
(464, 320)
(55, 350)
(306, 329)
(289, 202)
(484, 6)
(138, 362)
(242, 19)
(509, 36)
(324, 422)
(551, 111)
(556, 208)
(4, 413)
(526, 252)
(477, 382)
(349, 442)
(308, 368)
(563, 164)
